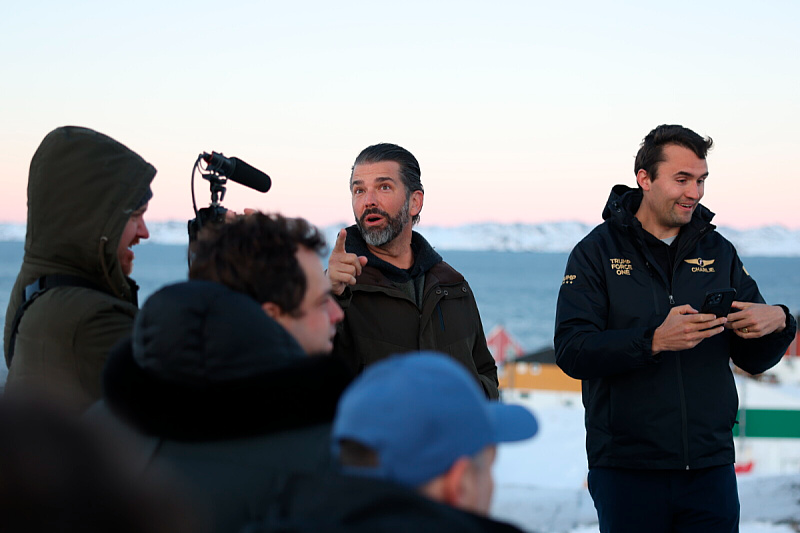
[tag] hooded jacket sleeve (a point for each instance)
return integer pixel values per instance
(585, 347)
(484, 361)
(757, 355)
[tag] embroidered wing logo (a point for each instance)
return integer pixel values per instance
(700, 262)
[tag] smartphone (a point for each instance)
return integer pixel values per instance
(718, 302)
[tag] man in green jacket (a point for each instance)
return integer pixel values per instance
(87, 195)
(397, 293)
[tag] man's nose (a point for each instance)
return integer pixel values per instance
(335, 311)
(143, 232)
(370, 198)
(695, 190)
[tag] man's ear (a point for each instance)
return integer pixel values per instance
(272, 309)
(643, 179)
(415, 203)
(458, 483)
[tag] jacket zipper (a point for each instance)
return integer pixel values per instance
(682, 392)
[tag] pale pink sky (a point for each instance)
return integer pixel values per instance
(517, 113)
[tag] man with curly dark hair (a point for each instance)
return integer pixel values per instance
(275, 260)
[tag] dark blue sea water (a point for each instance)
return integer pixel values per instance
(517, 290)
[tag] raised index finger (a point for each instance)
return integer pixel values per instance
(339, 246)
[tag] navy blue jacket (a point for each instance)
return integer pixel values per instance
(674, 410)
(331, 503)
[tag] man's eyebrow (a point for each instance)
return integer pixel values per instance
(689, 174)
(379, 179)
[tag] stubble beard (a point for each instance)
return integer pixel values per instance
(394, 226)
(677, 219)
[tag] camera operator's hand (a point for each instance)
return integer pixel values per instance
(231, 215)
(685, 328)
(343, 267)
(751, 320)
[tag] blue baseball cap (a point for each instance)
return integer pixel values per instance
(420, 413)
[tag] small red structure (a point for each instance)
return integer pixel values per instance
(792, 350)
(502, 345)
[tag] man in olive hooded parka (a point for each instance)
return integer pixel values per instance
(83, 187)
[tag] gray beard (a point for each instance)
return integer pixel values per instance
(380, 236)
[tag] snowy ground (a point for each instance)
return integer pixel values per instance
(540, 483)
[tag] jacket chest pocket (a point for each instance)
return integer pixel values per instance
(447, 317)
(637, 297)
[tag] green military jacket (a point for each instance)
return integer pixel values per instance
(82, 188)
(382, 319)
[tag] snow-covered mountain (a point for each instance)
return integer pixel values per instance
(769, 241)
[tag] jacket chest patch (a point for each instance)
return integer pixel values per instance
(622, 267)
(701, 265)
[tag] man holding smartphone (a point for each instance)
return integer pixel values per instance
(658, 389)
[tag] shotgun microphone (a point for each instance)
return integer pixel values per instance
(237, 170)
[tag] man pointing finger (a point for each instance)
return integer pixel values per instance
(343, 268)
(397, 293)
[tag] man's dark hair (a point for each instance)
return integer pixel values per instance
(409, 166)
(255, 255)
(353, 453)
(651, 151)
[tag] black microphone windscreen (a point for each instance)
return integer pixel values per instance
(249, 176)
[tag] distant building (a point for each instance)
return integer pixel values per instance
(536, 371)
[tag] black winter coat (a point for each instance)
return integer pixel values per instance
(224, 397)
(675, 410)
(338, 504)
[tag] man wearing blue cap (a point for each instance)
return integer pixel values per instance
(416, 439)
(421, 421)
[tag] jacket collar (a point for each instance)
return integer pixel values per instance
(300, 394)
(425, 257)
(334, 502)
(624, 201)
(202, 357)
